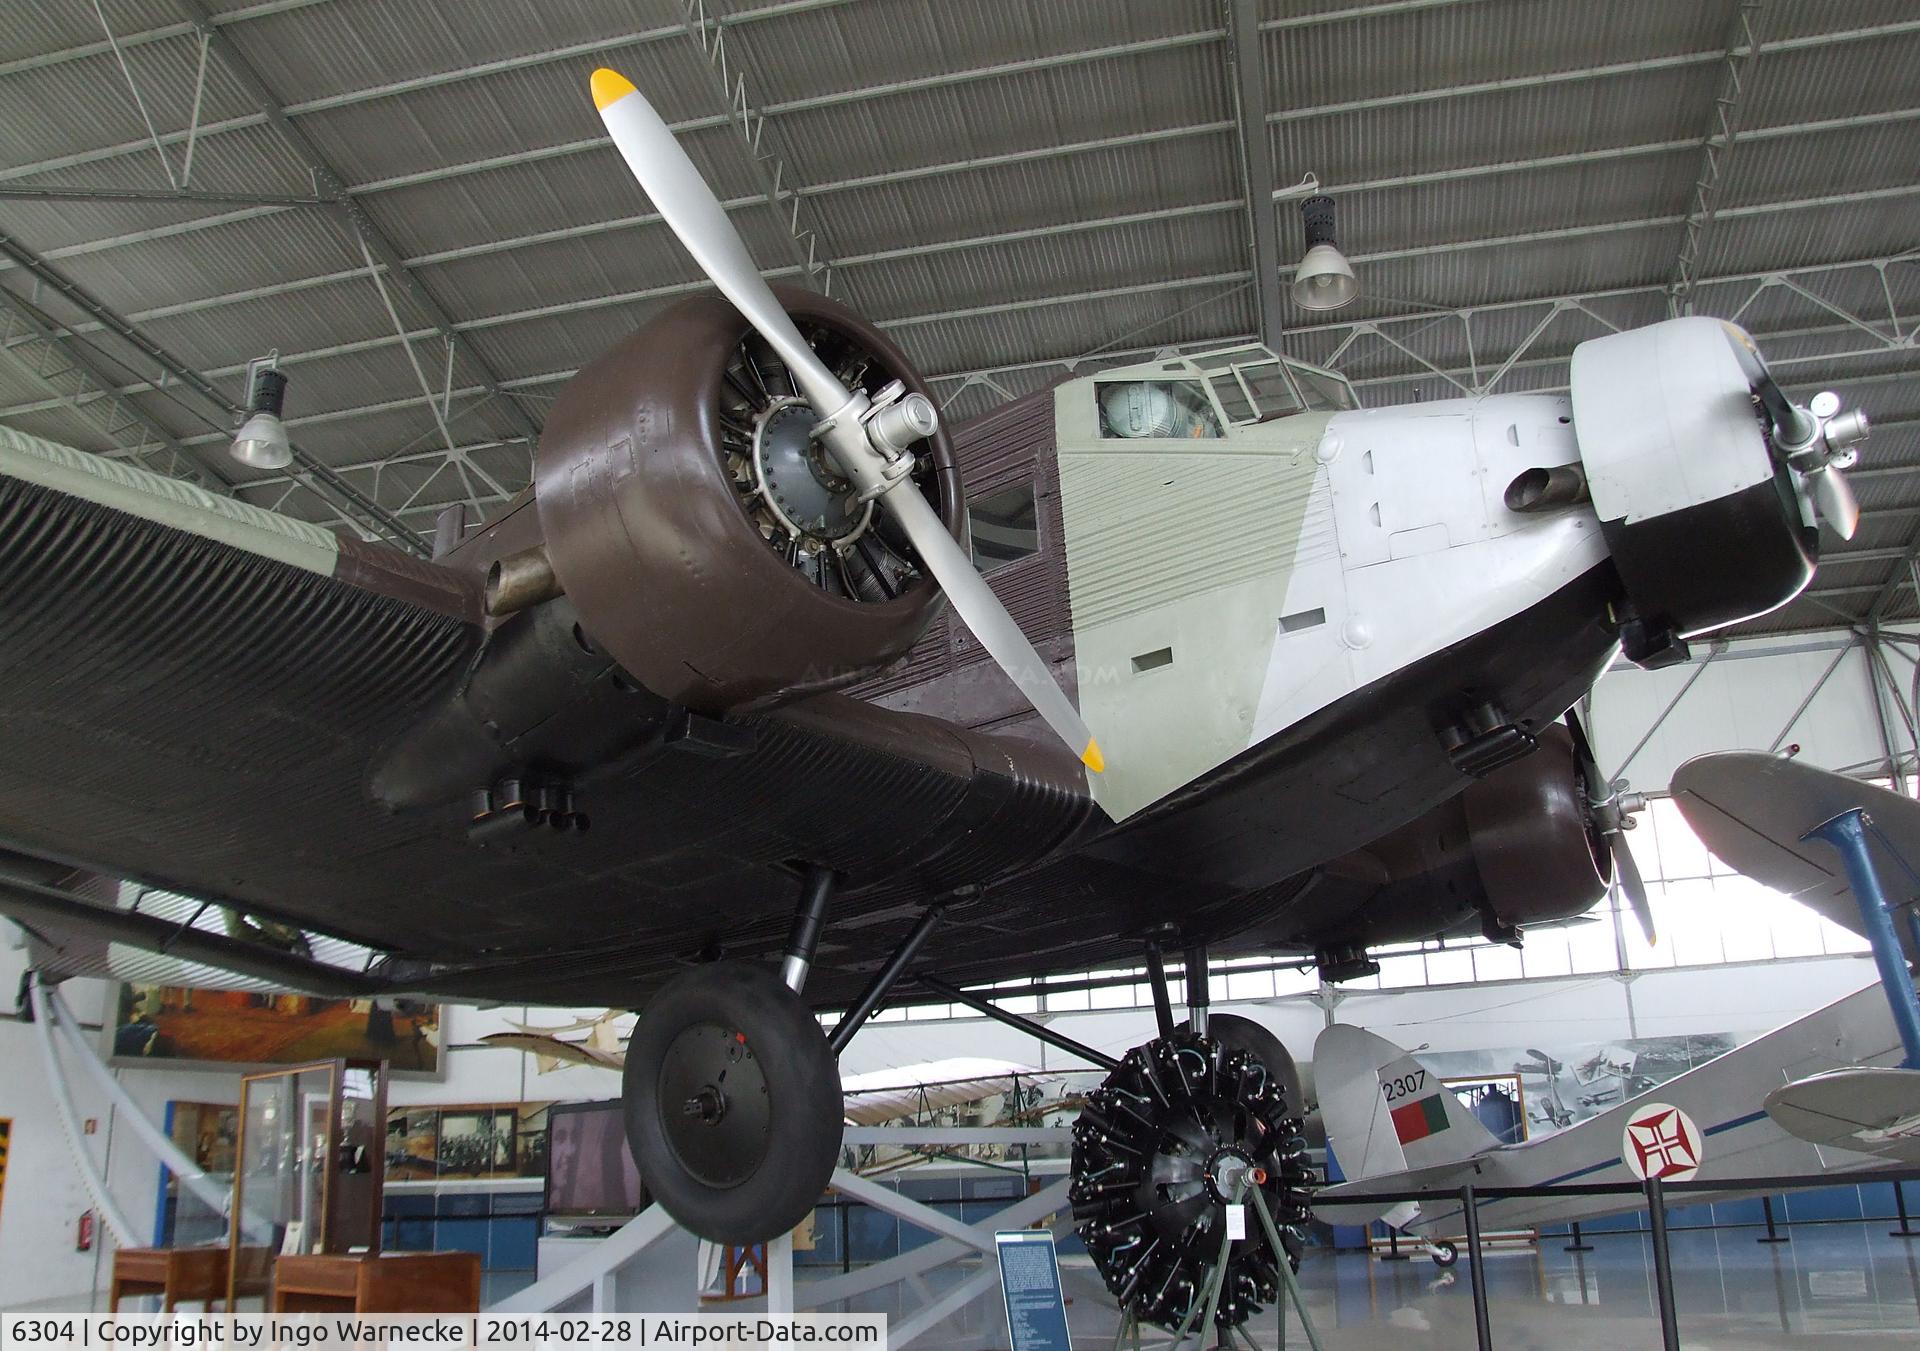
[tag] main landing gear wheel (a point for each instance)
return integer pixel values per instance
(1151, 1151)
(733, 1103)
(1244, 1034)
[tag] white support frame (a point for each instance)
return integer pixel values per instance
(1743, 44)
(595, 1274)
(117, 1222)
(53, 1009)
(806, 242)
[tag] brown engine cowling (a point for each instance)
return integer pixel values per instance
(652, 534)
(1517, 847)
(1534, 844)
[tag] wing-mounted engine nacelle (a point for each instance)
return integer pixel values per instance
(1521, 846)
(693, 519)
(1707, 481)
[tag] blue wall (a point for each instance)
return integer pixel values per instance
(874, 1236)
(502, 1227)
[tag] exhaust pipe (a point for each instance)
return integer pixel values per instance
(1564, 485)
(521, 580)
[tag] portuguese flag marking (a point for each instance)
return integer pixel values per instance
(1418, 1120)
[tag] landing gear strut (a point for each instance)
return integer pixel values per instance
(732, 1094)
(732, 1103)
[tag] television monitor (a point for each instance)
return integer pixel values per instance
(591, 1177)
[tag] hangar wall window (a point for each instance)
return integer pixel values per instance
(1164, 410)
(1706, 915)
(1004, 526)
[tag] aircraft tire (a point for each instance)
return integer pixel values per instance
(1444, 1253)
(1237, 1033)
(732, 1101)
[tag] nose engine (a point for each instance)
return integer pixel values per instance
(1710, 484)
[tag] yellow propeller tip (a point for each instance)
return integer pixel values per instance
(1092, 758)
(609, 86)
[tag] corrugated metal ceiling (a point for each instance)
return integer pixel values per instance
(1007, 187)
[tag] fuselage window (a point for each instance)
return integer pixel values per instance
(1174, 410)
(1004, 527)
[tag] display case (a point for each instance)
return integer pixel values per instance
(308, 1169)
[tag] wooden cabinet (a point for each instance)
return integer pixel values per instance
(177, 1275)
(441, 1282)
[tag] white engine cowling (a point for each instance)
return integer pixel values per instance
(1705, 520)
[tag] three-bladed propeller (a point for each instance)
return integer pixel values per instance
(1611, 807)
(867, 436)
(1818, 441)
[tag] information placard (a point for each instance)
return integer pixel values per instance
(1030, 1283)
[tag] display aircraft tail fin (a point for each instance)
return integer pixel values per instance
(1388, 1114)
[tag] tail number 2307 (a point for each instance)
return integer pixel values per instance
(1405, 1086)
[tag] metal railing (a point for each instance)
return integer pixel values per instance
(1654, 1193)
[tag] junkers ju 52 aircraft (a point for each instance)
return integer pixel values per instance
(1299, 672)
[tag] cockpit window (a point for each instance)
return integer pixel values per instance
(1324, 391)
(1250, 383)
(1161, 409)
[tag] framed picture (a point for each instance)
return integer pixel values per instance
(154, 1026)
(487, 1140)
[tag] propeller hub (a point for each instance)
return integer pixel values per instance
(798, 484)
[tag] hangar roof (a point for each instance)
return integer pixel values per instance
(415, 205)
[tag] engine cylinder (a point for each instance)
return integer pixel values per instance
(650, 538)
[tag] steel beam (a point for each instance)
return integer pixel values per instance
(1903, 574)
(444, 326)
(1875, 669)
(641, 220)
(159, 33)
(1457, 374)
(1070, 361)
(1660, 719)
(589, 145)
(804, 237)
(322, 480)
(1560, 235)
(1581, 75)
(894, 178)
(1249, 75)
(332, 184)
(115, 414)
(175, 196)
(1743, 44)
(1425, 317)
(1812, 694)
(945, 79)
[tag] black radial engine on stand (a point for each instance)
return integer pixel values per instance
(1155, 1154)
